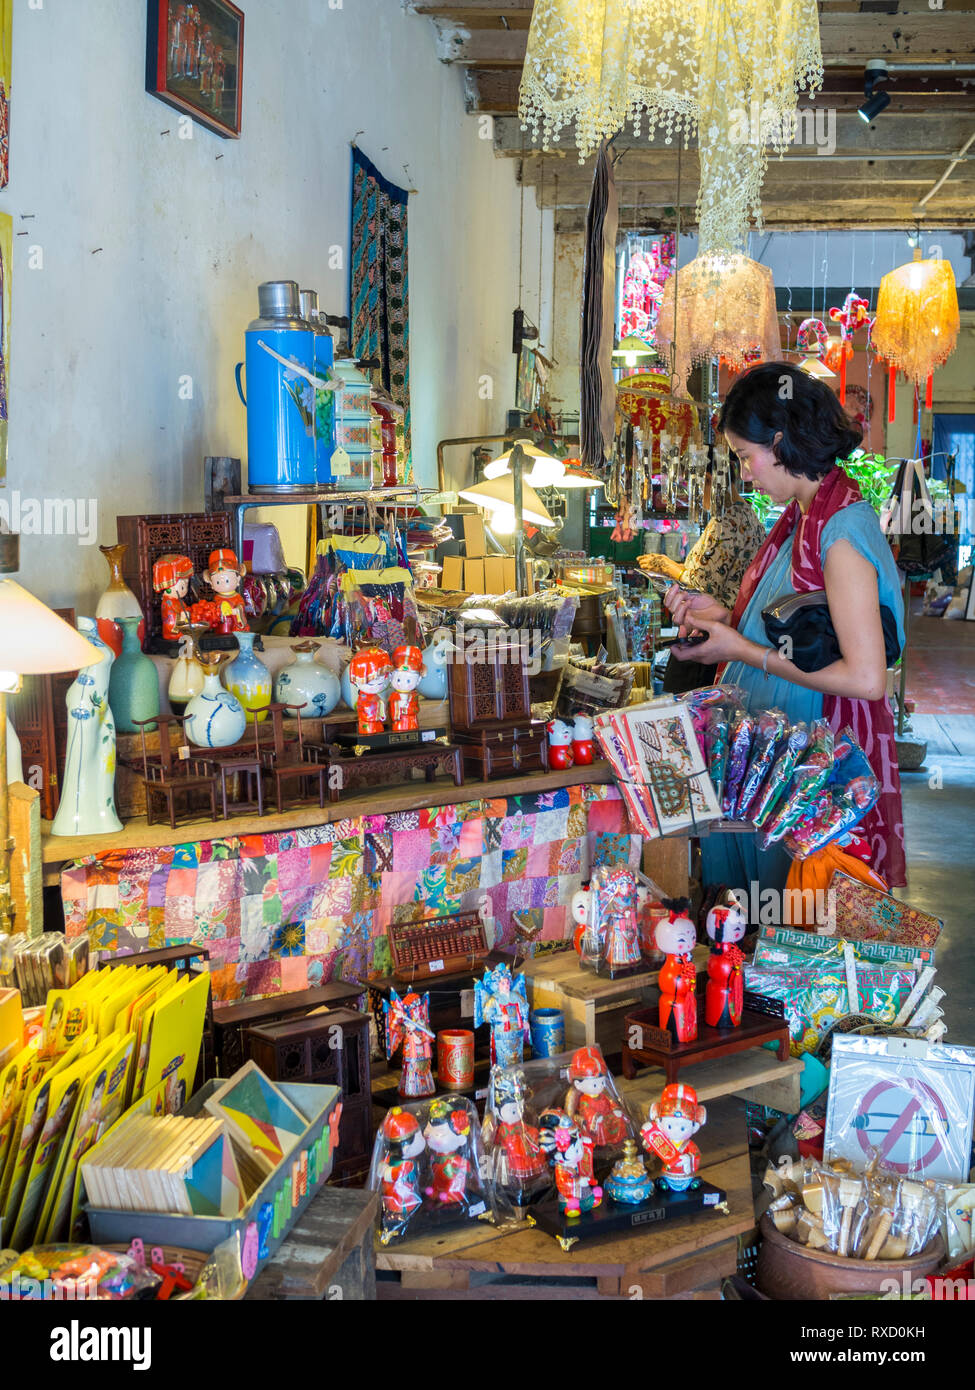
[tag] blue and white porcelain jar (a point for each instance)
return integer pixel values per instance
(215, 718)
(308, 684)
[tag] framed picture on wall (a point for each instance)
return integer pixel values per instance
(194, 60)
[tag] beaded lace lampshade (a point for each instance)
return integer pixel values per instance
(727, 72)
(917, 322)
(725, 308)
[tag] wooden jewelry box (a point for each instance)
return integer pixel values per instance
(490, 709)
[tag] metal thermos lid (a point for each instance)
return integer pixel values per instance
(309, 305)
(279, 299)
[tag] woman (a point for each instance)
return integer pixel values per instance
(716, 564)
(788, 431)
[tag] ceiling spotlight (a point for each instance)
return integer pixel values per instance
(874, 73)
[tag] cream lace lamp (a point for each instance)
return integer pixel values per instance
(725, 308)
(727, 71)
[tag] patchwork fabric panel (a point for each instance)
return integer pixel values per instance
(282, 912)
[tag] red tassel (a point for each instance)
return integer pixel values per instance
(843, 375)
(929, 392)
(891, 394)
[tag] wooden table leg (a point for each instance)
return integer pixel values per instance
(629, 1070)
(784, 1047)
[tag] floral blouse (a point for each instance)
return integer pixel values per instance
(718, 561)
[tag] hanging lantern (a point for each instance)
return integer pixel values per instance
(916, 328)
(725, 308)
(645, 402)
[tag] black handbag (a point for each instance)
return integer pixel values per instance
(803, 621)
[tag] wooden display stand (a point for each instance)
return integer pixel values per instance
(684, 1259)
(657, 1048)
(380, 769)
(594, 1006)
(329, 1253)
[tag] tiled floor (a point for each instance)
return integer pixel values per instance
(940, 665)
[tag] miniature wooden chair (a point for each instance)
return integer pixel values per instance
(289, 760)
(243, 762)
(170, 777)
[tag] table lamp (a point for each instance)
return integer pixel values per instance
(34, 641)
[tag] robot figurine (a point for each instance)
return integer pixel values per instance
(724, 995)
(667, 1133)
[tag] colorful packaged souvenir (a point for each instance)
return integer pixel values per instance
(780, 776)
(408, 1025)
(808, 779)
(740, 737)
(518, 1163)
(769, 730)
(501, 1001)
(613, 920)
(430, 1170)
(73, 1272)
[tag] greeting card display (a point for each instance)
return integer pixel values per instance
(429, 1168)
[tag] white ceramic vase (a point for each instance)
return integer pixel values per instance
(215, 718)
(87, 805)
(307, 683)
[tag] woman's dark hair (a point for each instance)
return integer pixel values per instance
(777, 397)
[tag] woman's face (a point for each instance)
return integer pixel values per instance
(759, 466)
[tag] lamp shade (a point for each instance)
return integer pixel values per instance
(498, 494)
(916, 328)
(725, 308)
(34, 641)
(497, 467)
(632, 348)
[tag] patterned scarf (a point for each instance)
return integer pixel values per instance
(871, 721)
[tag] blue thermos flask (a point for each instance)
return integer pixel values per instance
(324, 399)
(280, 400)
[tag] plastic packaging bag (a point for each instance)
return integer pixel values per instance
(810, 776)
(75, 1272)
(740, 744)
(780, 776)
(769, 730)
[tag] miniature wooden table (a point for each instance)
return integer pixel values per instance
(683, 1259)
(379, 769)
(658, 1049)
(329, 1253)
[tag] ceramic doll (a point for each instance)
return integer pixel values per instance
(501, 1001)
(404, 703)
(571, 1151)
(448, 1137)
(667, 1133)
(171, 577)
(614, 911)
(589, 1101)
(433, 685)
(582, 740)
(87, 805)
(408, 1022)
(224, 576)
(369, 675)
(676, 936)
(579, 912)
(629, 1181)
(517, 1142)
(400, 1186)
(559, 744)
(724, 994)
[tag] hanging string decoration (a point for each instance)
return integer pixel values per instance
(812, 331)
(916, 327)
(727, 73)
(851, 316)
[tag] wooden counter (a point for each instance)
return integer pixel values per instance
(136, 834)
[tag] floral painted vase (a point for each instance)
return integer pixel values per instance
(118, 601)
(249, 679)
(87, 805)
(215, 718)
(133, 690)
(308, 684)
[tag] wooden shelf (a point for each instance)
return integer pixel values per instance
(136, 834)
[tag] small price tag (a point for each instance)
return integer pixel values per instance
(476, 1209)
(467, 1003)
(184, 751)
(427, 736)
(435, 965)
(710, 1199)
(340, 463)
(481, 1095)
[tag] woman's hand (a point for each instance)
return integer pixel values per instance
(725, 643)
(687, 608)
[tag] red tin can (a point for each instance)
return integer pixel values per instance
(455, 1059)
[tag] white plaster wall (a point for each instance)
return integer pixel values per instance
(153, 247)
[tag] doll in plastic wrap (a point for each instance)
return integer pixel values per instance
(614, 909)
(590, 1102)
(571, 1152)
(676, 936)
(408, 1023)
(501, 1001)
(667, 1133)
(399, 1173)
(519, 1159)
(724, 995)
(448, 1137)
(579, 912)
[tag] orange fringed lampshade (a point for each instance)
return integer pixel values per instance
(725, 308)
(917, 321)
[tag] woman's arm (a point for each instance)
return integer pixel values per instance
(854, 605)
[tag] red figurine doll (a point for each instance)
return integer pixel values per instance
(667, 1133)
(404, 703)
(571, 1151)
(583, 748)
(676, 937)
(448, 1135)
(171, 575)
(589, 1102)
(559, 744)
(510, 1134)
(224, 574)
(408, 1022)
(399, 1175)
(724, 995)
(369, 675)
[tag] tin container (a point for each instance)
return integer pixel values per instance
(280, 395)
(455, 1059)
(547, 1028)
